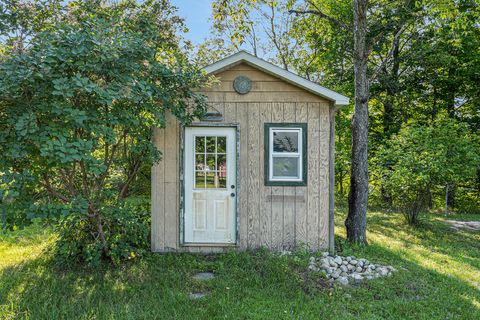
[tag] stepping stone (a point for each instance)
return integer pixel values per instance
(202, 276)
(197, 295)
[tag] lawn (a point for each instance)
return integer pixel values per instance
(438, 278)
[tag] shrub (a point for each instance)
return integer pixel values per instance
(127, 230)
(422, 158)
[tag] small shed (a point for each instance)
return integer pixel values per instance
(257, 171)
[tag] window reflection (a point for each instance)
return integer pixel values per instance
(285, 141)
(210, 162)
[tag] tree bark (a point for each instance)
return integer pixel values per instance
(358, 197)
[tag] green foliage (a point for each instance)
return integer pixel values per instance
(127, 230)
(423, 65)
(421, 158)
(77, 108)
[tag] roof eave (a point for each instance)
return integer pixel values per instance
(242, 56)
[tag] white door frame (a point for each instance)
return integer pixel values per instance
(184, 182)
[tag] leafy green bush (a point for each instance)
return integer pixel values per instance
(423, 158)
(127, 230)
(77, 109)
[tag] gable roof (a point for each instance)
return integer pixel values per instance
(243, 56)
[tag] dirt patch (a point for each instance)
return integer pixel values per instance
(464, 225)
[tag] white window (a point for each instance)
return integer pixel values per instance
(286, 154)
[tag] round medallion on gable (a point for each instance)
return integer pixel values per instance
(242, 85)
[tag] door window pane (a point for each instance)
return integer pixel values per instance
(212, 180)
(200, 162)
(222, 162)
(285, 167)
(222, 179)
(211, 141)
(199, 179)
(221, 144)
(285, 141)
(199, 144)
(210, 162)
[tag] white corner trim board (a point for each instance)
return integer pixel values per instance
(243, 56)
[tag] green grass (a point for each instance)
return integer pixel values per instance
(438, 278)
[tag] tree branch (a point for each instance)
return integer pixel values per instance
(133, 173)
(46, 184)
(395, 43)
(322, 15)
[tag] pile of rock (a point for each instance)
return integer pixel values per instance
(348, 269)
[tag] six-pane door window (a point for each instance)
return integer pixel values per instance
(210, 162)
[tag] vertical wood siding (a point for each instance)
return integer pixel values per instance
(279, 218)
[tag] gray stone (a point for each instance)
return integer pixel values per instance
(312, 259)
(360, 264)
(343, 281)
(343, 274)
(313, 267)
(358, 269)
(197, 295)
(336, 274)
(350, 267)
(343, 268)
(333, 264)
(344, 262)
(325, 254)
(391, 269)
(382, 271)
(353, 262)
(202, 276)
(348, 259)
(338, 260)
(357, 278)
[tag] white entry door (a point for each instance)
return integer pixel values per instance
(210, 185)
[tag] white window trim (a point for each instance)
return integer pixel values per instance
(298, 154)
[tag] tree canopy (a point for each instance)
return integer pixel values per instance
(78, 102)
(422, 64)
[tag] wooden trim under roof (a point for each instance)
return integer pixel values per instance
(290, 77)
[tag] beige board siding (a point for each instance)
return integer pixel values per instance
(277, 217)
(242, 119)
(265, 210)
(301, 115)
(277, 193)
(158, 195)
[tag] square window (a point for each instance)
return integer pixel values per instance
(285, 154)
(285, 141)
(285, 167)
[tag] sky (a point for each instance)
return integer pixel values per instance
(196, 14)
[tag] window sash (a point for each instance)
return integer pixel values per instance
(297, 155)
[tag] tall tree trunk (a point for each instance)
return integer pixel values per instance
(356, 221)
